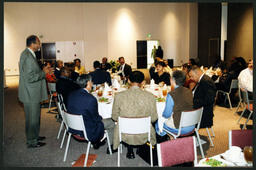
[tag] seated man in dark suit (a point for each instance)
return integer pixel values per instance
(83, 103)
(100, 76)
(124, 68)
(105, 65)
(204, 95)
(59, 65)
(65, 84)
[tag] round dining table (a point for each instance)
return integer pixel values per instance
(105, 108)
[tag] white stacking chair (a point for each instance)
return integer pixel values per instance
(134, 126)
(63, 123)
(249, 106)
(52, 90)
(190, 118)
(181, 151)
(76, 122)
(234, 85)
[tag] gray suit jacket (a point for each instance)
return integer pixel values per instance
(32, 84)
(134, 103)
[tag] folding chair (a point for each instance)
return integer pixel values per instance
(249, 107)
(240, 138)
(76, 122)
(240, 99)
(182, 150)
(52, 90)
(234, 85)
(139, 126)
(190, 118)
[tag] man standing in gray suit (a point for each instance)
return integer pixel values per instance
(32, 90)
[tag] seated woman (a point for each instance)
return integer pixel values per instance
(189, 83)
(78, 68)
(161, 77)
(178, 100)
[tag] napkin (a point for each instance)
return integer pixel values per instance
(116, 84)
(233, 154)
(152, 83)
(106, 90)
(202, 67)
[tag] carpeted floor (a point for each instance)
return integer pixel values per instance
(16, 154)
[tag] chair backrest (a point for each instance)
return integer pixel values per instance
(178, 151)
(245, 98)
(240, 138)
(189, 118)
(61, 111)
(75, 122)
(134, 126)
(52, 87)
(62, 104)
(234, 85)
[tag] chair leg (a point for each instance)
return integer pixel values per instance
(247, 119)
(63, 138)
(238, 107)
(61, 127)
(230, 105)
(67, 146)
(151, 156)
(213, 134)
(49, 108)
(87, 154)
(109, 147)
(121, 148)
(240, 116)
(118, 156)
(199, 142)
(209, 135)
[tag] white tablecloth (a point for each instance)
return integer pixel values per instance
(105, 109)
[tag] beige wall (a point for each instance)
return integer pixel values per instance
(240, 31)
(108, 29)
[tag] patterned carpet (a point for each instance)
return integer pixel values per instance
(16, 153)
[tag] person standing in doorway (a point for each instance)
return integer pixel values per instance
(32, 90)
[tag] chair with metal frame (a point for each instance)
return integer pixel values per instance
(139, 126)
(233, 85)
(189, 118)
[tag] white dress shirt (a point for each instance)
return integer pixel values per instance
(32, 52)
(245, 79)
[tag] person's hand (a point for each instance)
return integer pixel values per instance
(48, 69)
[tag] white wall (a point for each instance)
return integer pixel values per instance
(107, 29)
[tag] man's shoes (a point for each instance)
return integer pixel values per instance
(98, 144)
(113, 151)
(39, 144)
(130, 155)
(41, 138)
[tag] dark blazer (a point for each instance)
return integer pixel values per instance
(165, 77)
(204, 95)
(74, 75)
(127, 70)
(57, 73)
(105, 67)
(65, 86)
(100, 76)
(83, 103)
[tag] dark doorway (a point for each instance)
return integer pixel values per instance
(141, 54)
(48, 52)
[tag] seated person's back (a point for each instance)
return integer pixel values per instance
(65, 84)
(100, 76)
(178, 100)
(134, 103)
(81, 102)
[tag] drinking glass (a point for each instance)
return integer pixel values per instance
(100, 93)
(248, 154)
(164, 92)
